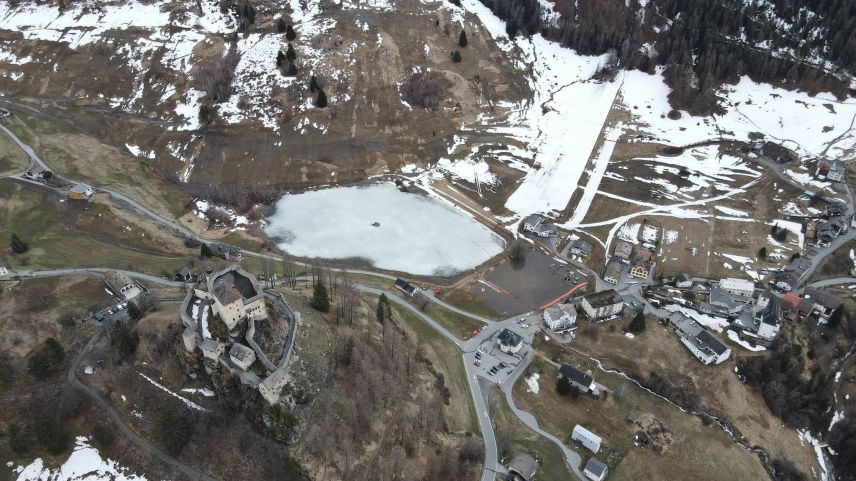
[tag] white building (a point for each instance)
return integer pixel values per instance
(706, 347)
(539, 226)
(737, 287)
(559, 317)
(122, 285)
(588, 439)
(271, 387)
(603, 304)
(3, 271)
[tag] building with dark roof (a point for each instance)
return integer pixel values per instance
(406, 287)
(595, 470)
(522, 467)
(236, 295)
(777, 152)
(582, 380)
(509, 341)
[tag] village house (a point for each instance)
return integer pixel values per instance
(722, 303)
(595, 470)
(767, 322)
(706, 347)
(406, 287)
(786, 281)
(522, 467)
(581, 380)
(183, 275)
(580, 247)
(683, 281)
(776, 152)
(836, 209)
(833, 170)
(226, 251)
(586, 438)
(559, 317)
(641, 265)
(3, 271)
(509, 341)
(539, 226)
(612, 274)
(121, 285)
(37, 172)
(623, 249)
(80, 192)
(738, 287)
(820, 301)
(603, 304)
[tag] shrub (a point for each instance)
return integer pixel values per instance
(17, 441)
(456, 56)
(102, 435)
(18, 246)
(174, 430)
(47, 360)
(51, 435)
(426, 89)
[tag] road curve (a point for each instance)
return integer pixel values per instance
(141, 442)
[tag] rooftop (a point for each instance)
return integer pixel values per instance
(523, 464)
(240, 352)
(509, 338)
(603, 298)
(233, 284)
(574, 374)
(595, 467)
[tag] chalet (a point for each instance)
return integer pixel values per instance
(683, 281)
(612, 274)
(183, 275)
(509, 341)
(623, 249)
(80, 192)
(272, 385)
(603, 304)
(595, 470)
(406, 287)
(825, 234)
(242, 356)
(776, 152)
(580, 247)
(706, 347)
(641, 265)
(799, 265)
(581, 380)
(737, 287)
(586, 438)
(121, 285)
(539, 226)
(559, 316)
(522, 467)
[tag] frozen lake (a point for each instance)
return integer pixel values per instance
(417, 234)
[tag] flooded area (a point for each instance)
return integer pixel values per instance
(390, 229)
(516, 287)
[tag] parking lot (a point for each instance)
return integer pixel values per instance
(494, 365)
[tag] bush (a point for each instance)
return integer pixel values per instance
(426, 89)
(47, 360)
(174, 430)
(18, 246)
(51, 435)
(17, 441)
(456, 56)
(124, 337)
(102, 435)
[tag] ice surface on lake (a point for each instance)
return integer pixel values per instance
(417, 234)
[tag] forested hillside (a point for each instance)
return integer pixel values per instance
(809, 45)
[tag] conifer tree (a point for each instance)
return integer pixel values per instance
(456, 56)
(290, 53)
(320, 301)
(321, 101)
(290, 34)
(462, 40)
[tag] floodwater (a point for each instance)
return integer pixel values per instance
(390, 229)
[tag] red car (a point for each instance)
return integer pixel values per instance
(477, 363)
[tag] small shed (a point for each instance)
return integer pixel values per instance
(595, 470)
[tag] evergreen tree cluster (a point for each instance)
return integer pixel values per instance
(701, 42)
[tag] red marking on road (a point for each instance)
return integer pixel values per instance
(563, 296)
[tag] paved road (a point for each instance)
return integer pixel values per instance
(833, 282)
(132, 435)
(97, 271)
